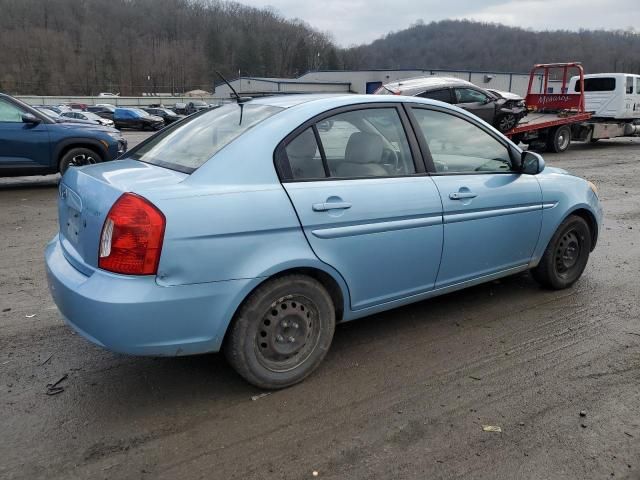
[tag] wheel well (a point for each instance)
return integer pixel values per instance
(588, 217)
(327, 282)
(324, 278)
(71, 146)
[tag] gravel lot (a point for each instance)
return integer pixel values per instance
(401, 395)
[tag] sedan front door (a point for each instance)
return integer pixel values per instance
(367, 209)
(476, 102)
(492, 214)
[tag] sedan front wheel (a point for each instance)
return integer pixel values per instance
(506, 122)
(566, 256)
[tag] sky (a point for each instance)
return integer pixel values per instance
(352, 22)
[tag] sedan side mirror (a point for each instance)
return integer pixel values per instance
(532, 163)
(30, 118)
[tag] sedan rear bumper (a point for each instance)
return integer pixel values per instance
(135, 315)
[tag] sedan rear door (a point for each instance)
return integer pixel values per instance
(366, 207)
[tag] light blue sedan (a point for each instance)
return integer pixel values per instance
(255, 227)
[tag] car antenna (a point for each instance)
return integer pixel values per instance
(239, 99)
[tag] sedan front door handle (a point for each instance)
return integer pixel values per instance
(325, 206)
(462, 195)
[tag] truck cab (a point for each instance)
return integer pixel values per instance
(610, 95)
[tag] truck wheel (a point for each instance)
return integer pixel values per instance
(78, 157)
(566, 256)
(517, 139)
(281, 332)
(559, 139)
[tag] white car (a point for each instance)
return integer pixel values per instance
(80, 115)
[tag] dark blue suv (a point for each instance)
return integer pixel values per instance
(32, 143)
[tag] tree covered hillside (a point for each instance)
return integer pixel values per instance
(56, 47)
(470, 45)
(66, 47)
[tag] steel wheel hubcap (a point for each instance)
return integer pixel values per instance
(563, 140)
(287, 334)
(567, 252)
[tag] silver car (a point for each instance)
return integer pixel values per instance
(503, 110)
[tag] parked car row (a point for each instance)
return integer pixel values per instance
(144, 118)
(39, 141)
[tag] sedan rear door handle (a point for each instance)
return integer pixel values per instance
(325, 206)
(462, 195)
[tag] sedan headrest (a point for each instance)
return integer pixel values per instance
(364, 148)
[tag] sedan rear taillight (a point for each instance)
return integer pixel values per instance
(132, 235)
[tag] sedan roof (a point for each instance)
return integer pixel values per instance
(427, 83)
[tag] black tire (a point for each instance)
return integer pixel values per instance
(281, 332)
(559, 139)
(566, 256)
(506, 122)
(77, 157)
(517, 139)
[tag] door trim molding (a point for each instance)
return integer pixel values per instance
(377, 227)
(463, 216)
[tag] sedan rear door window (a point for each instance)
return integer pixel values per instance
(443, 95)
(366, 143)
(304, 157)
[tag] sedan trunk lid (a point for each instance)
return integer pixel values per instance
(87, 194)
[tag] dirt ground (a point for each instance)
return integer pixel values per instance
(401, 395)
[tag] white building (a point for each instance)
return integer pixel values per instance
(368, 81)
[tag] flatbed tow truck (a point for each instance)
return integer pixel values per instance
(554, 119)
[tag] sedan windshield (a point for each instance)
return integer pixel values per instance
(189, 144)
(49, 113)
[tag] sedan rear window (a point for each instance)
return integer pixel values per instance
(189, 144)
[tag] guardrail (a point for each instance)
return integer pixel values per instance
(117, 101)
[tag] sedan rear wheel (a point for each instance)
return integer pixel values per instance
(566, 256)
(282, 332)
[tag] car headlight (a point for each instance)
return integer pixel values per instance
(593, 188)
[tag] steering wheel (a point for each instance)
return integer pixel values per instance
(390, 157)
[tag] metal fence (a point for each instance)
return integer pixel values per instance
(117, 101)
